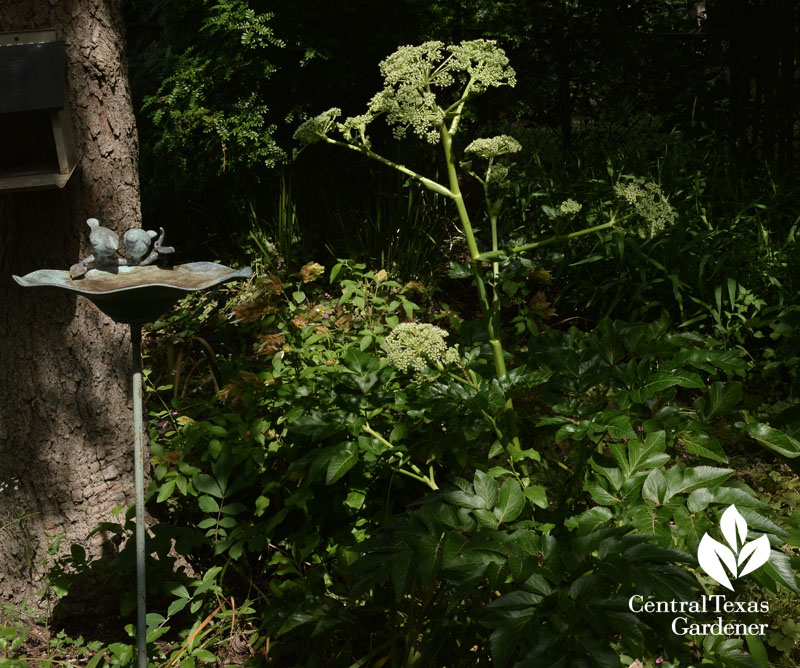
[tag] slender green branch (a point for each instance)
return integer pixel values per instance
(440, 67)
(377, 435)
(496, 255)
(428, 183)
(493, 209)
(497, 431)
(415, 473)
(464, 381)
(459, 107)
(423, 479)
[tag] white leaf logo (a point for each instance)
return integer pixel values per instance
(759, 549)
(739, 557)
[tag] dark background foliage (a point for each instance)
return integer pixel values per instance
(699, 96)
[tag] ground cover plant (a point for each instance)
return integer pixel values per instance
(350, 469)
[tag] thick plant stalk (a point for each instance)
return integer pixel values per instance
(489, 308)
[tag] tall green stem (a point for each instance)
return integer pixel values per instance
(493, 209)
(489, 309)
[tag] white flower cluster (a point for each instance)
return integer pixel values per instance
(485, 62)
(413, 72)
(314, 129)
(570, 207)
(408, 107)
(649, 202)
(494, 146)
(418, 345)
(412, 75)
(407, 99)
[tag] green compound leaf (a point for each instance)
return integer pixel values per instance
(701, 444)
(208, 504)
(687, 480)
(721, 399)
(205, 483)
(661, 380)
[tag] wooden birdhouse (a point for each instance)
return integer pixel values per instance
(37, 149)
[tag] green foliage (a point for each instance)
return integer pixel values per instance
(375, 510)
(323, 491)
(725, 268)
(427, 91)
(12, 634)
(218, 126)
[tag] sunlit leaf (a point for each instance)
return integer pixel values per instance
(343, 459)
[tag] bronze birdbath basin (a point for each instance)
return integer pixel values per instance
(135, 294)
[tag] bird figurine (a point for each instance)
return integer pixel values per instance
(104, 242)
(137, 242)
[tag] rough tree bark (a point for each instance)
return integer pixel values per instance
(65, 405)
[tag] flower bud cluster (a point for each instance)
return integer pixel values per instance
(314, 129)
(418, 346)
(413, 74)
(493, 146)
(570, 207)
(649, 202)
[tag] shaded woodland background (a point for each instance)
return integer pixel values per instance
(598, 82)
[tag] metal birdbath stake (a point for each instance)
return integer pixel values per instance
(133, 290)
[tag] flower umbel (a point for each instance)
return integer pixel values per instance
(494, 146)
(418, 346)
(650, 203)
(414, 74)
(569, 207)
(315, 129)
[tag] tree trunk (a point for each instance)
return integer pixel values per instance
(65, 406)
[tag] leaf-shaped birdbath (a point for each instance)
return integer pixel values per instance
(131, 292)
(136, 294)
